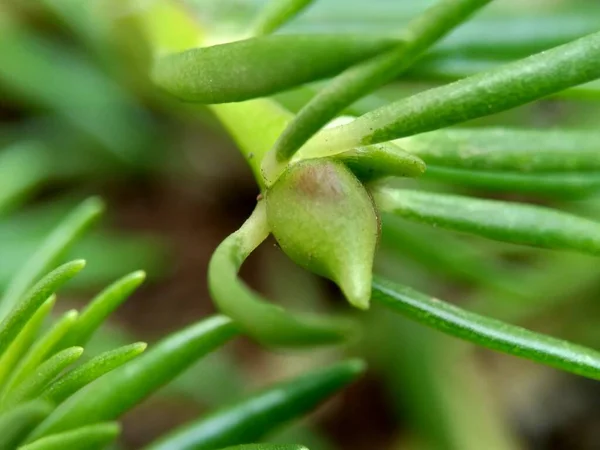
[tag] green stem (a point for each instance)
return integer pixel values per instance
(268, 324)
(276, 14)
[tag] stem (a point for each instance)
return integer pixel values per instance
(268, 324)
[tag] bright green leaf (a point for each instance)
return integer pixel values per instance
(267, 447)
(77, 378)
(16, 320)
(91, 437)
(277, 13)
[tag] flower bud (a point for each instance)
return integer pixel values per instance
(325, 220)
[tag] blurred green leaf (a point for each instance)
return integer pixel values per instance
(267, 447)
(91, 437)
(250, 419)
(17, 423)
(277, 13)
(50, 251)
(17, 319)
(119, 390)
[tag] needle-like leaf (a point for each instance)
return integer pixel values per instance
(503, 221)
(92, 437)
(17, 423)
(486, 331)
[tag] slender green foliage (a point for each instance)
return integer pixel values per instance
(357, 81)
(91, 437)
(17, 423)
(277, 13)
(97, 311)
(250, 419)
(503, 221)
(17, 319)
(487, 332)
(50, 251)
(79, 377)
(267, 447)
(119, 390)
(483, 94)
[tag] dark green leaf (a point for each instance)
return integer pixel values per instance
(487, 332)
(251, 419)
(119, 390)
(503, 221)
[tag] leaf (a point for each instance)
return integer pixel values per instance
(553, 184)
(269, 324)
(381, 160)
(261, 66)
(92, 437)
(418, 36)
(119, 390)
(252, 418)
(77, 378)
(50, 251)
(505, 149)
(16, 320)
(41, 349)
(502, 221)
(16, 424)
(34, 384)
(486, 331)
(22, 169)
(490, 92)
(267, 447)
(21, 343)
(94, 314)
(277, 13)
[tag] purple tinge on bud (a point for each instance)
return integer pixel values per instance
(325, 220)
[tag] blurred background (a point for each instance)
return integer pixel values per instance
(79, 117)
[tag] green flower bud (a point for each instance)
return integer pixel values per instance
(325, 220)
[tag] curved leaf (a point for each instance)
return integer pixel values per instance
(17, 423)
(490, 92)
(77, 378)
(50, 251)
(487, 332)
(269, 324)
(119, 390)
(92, 437)
(252, 418)
(37, 295)
(503, 221)
(267, 447)
(262, 66)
